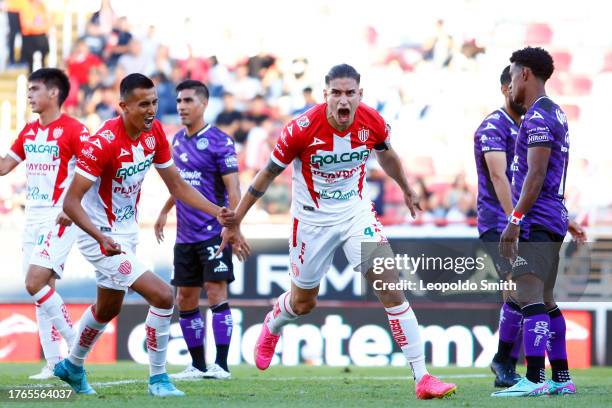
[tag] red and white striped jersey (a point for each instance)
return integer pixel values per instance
(50, 154)
(329, 183)
(117, 165)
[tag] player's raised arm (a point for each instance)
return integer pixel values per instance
(73, 208)
(496, 163)
(392, 165)
(7, 163)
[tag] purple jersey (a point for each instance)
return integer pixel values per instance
(545, 125)
(497, 133)
(202, 159)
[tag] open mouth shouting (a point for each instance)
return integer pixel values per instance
(148, 121)
(344, 115)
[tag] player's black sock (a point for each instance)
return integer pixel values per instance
(513, 361)
(221, 359)
(535, 369)
(503, 352)
(560, 370)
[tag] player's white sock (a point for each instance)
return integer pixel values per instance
(53, 306)
(90, 331)
(157, 326)
(50, 339)
(281, 314)
(406, 332)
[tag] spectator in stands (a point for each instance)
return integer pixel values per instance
(243, 87)
(166, 104)
(13, 8)
(88, 90)
(95, 40)
(229, 124)
(194, 67)
(104, 18)
(35, 22)
(219, 77)
(229, 112)
(309, 101)
(162, 62)
(460, 200)
(118, 42)
(439, 48)
(80, 62)
(133, 61)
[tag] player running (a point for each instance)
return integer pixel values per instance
(114, 162)
(49, 147)
(540, 219)
(494, 150)
(329, 146)
(206, 159)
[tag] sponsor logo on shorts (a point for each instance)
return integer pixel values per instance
(302, 251)
(295, 270)
(222, 267)
(125, 268)
(519, 261)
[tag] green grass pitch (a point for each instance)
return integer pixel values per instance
(124, 385)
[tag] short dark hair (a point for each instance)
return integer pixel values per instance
(342, 71)
(535, 58)
(505, 78)
(199, 87)
(134, 81)
(53, 78)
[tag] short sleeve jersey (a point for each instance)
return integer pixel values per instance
(545, 125)
(497, 133)
(49, 153)
(329, 166)
(117, 165)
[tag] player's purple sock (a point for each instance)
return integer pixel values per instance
(518, 345)
(510, 318)
(536, 325)
(222, 329)
(556, 347)
(192, 327)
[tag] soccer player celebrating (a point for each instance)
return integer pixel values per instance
(114, 162)
(49, 147)
(329, 146)
(494, 150)
(206, 158)
(540, 219)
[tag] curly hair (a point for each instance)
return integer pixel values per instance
(535, 58)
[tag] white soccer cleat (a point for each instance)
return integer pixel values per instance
(45, 374)
(215, 372)
(189, 373)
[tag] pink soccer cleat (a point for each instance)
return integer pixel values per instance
(430, 387)
(266, 343)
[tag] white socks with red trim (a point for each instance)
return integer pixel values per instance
(90, 331)
(157, 327)
(52, 306)
(50, 339)
(281, 314)
(405, 330)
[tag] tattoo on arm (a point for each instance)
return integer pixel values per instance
(256, 193)
(274, 168)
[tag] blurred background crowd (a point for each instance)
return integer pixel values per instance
(432, 71)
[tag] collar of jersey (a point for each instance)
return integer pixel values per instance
(199, 132)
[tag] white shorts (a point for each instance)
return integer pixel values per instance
(48, 244)
(312, 248)
(116, 272)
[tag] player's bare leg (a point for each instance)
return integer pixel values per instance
(405, 330)
(288, 307)
(222, 326)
